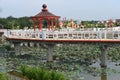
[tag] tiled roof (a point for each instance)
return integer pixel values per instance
(45, 13)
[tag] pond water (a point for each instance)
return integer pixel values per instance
(112, 72)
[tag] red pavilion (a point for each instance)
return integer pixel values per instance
(45, 17)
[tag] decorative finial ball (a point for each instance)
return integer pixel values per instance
(44, 6)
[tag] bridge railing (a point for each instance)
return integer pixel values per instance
(64, 34)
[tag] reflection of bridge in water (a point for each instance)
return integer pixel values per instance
(103, 38)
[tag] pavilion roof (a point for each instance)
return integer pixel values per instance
(45, 13)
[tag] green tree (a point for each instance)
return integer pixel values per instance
(13, 23)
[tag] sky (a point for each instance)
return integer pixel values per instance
(75, 9)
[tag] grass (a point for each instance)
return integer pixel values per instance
(35, 73)
(3, 76)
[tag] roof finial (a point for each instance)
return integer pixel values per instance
(44, 7)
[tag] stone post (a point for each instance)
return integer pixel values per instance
(103, 49)
(17, 48)
(49, 55)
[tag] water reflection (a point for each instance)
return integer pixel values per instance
(104, 74)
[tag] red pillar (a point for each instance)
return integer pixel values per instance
(34, 24)
(48, 24)
(54, 22)
(40, 24)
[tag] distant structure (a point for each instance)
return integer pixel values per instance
(45, 18)
(110, 23)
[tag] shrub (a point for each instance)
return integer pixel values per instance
(3, 76)
(34, 73)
